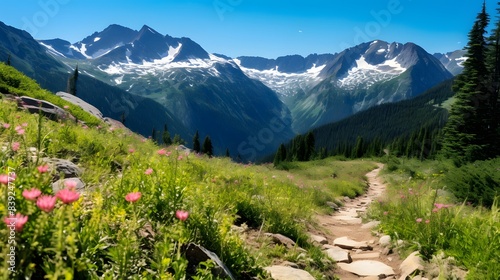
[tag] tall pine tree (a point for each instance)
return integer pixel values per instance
(196, 142)
(464, 138)
(280, 155)
(494, 67)
(207, 147)
(72, 82)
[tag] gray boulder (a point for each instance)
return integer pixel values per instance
(195, 254)
(82, 104)
(66, 167)
(47, 109)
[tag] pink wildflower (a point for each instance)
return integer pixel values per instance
(439, 205)
(182, 215)
(46, 203)
(4, 179)
(68, 196)
(15, 146)
(43, 168)
(419, 220)
(24, 124)
(133, 196)
(179, 158)
(70, 184)
(20, 131)
(131, 150)
(6, 125)
(32, 194)
(148, 171)
(162, 152)
(169, 153)
(16, 221)
(386, 213)
(427, 221)
(66, 107)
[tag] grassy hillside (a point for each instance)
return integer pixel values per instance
(142, 203)
(454, 234)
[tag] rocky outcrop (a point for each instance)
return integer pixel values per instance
(195, 254)
(63, 167)
(46, 108)
(82, 104)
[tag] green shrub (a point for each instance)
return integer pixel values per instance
(478, 182)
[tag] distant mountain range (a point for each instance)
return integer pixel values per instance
(246, 104)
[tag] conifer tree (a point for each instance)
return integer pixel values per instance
(196, 142)
(280, 155)
(153, 135)
(464, 138)
(207, 147)
(166, 136)
(8, 60)
(72, 81)
(310, 146)
(494, 67)
(358, 149)
(227, 153)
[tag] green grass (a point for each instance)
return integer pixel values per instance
(103, 236)
(421, 210)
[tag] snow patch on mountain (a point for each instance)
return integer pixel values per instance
(461, 60)
(96, 39)
(285, 84)
(162, 68)
(365, 74)
(82, 50)
(51, 50)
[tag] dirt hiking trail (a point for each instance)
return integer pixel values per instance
(359, 252)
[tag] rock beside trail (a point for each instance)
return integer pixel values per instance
(410, 265)
(371, 225)
(385, 241)
(367, 268)
(338, 254)
(349, 244)
(281, 240)
(195, 254)
(318, 239)
(279, 272)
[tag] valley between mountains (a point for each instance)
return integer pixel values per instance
(247, 105)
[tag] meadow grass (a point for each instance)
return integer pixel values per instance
(419, 209)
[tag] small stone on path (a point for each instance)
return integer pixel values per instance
(318, 239)
(338, 254)
(347, 243)
(370, 225)
(385, 241)
(288, 273)
(367, 268)
(374, 255)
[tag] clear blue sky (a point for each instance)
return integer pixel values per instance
(258, 27)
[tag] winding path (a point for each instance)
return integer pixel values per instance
(346, 225)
